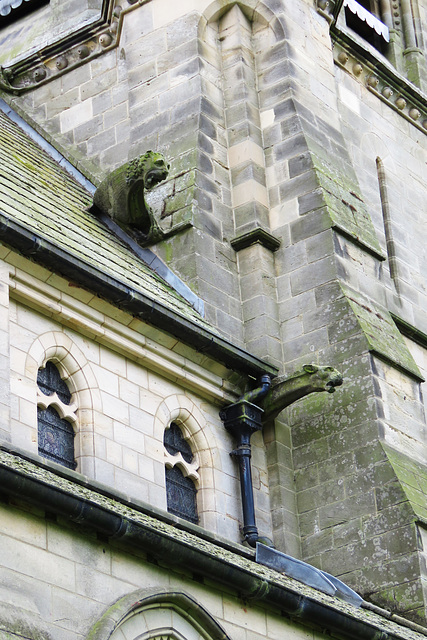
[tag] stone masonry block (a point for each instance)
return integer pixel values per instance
(310, 225)
(143, 73)
(248, 191)
(242, 112)
(59, 104)
(178, 55)
(100, 142)
(185, 71)
(98, 84)
(304, 279)
(258, 306)
(212, 111)
(245, 131)
(251, 213)
(300, 164)
(347, 509)
(311, 453)
(148, 90)
(297, 186)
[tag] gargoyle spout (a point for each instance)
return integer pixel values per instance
(286, 390)
(122, 196)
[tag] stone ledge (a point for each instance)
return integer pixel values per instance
(255, 236)
(88, 507)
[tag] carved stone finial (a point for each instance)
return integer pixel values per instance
(105, 39)
(122, 196)
(83, 51)
(414, 113)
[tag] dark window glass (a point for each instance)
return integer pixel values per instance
(175, 443)
(12, 10)
(55, 435)
(181, 495)
(180, 490)
(49, 381)
(55, 438)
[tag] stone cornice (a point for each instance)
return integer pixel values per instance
(69, 52)
(96, 323)
(372, 70)
(380, 79)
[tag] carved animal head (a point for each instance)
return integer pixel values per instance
(323, 378)
(121, 195)
(150, 167)
(286, 390)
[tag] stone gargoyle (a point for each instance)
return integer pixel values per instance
(285, 390)
(121, 195)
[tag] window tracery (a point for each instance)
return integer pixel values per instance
(55, 415)
(181, 474)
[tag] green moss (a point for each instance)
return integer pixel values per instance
(412, 476)
(168, 255)
(382, 335)
(342, 196)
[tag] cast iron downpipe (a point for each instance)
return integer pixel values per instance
(242, 419)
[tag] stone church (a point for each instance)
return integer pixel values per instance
(213, 327)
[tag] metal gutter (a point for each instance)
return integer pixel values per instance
(153, 261)
(345, 621)
(135, 302)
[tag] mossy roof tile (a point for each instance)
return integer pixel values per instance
(37, 193)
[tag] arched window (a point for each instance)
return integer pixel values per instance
(181, 491)
(55, 415)
(148, 614)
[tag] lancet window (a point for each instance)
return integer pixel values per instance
(55, 417)
(181, 475)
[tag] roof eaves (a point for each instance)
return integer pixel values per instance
(76, 498)
(129, 299)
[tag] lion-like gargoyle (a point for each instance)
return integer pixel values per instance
(286, 390)
(121, 195)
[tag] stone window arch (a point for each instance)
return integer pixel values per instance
(199, 436)
(181, 475)
(157, 615)
(75, 372)
(56, 415)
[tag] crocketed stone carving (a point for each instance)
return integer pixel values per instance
(286, 390)
(121, 195)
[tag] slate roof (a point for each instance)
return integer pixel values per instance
(39, 195)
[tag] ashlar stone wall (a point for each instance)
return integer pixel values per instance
(332, 176)
(61, 582)
(128, 384)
